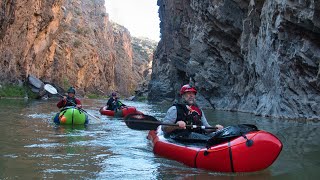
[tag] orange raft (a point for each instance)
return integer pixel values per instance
(122, 112)
(232, 156)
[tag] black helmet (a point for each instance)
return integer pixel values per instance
(71, 90)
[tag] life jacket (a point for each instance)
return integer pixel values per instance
(71, 101)
(119, 103)
(114, 105)
(191, 115)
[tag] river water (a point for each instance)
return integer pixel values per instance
(33, 147)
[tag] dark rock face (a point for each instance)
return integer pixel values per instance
(252, 56)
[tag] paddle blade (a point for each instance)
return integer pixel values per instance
(141, 122)
(50, 89)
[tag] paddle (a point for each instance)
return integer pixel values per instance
(53, 90)
(146, 122)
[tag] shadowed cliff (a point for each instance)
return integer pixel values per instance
(260, 57)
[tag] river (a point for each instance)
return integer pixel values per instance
(33, 147)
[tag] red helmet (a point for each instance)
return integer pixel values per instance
(187, 88)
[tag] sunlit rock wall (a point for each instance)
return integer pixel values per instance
(260, 57)
(143, 49)
(66, 42)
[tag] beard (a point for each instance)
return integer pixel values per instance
(190, 101)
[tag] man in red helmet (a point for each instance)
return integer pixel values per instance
(186, 113)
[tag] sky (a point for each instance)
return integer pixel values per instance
(140, 17)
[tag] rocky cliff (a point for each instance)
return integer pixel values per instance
(143, 49)
(69, 43)
(260, 57)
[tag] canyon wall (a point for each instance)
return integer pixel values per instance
(143, 49)
(65, 42)
(256, 56)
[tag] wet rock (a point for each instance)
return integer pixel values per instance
(35, 82)
(131, 98)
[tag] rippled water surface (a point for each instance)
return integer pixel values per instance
(33, 147)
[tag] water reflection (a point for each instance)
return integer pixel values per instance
(33, 147)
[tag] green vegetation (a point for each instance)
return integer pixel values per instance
(78, 12)
(76, 43)
(11, 90)
(96, 96)
(93, 96)
(66, 83)
(83, 31)
(141, 98)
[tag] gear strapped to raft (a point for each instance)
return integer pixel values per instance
(228, 133)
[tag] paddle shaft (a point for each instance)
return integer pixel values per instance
(152, 120)
(176, 125)
(70, 102)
